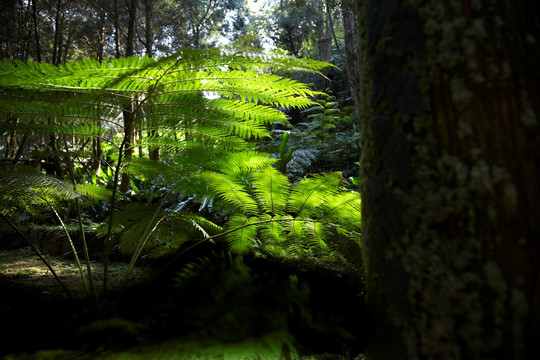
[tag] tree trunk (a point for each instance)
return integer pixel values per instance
(148, 29)
(324, 43)
(116, 29)
(57, 45)
(128, 113)
(130, 45)
(36, 31)
(101, 37)
(450, 171)
(153, 152)
(350, 29)
(129, 133)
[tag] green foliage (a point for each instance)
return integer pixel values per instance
(194, 105)
(323, 118)
(24, 189)
(273, 215)
(284, 157)
(169, 229)
(202, 109)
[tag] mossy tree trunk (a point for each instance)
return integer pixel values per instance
(451, 177)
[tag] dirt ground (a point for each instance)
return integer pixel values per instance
(23, 266)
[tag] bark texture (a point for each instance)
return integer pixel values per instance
(450, 169)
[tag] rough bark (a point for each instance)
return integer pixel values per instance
(116, 17)
(450, 168)
(129, 132)
(101, 37)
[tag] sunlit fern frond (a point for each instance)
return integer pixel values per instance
(94, 192)
(344, 208)
(309, 219)
(25, 189)
(242, 163)
(232, 191)
(227, 90)
(308, 196)
(243, 237)
(271, 189)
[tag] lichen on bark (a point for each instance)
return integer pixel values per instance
(438, 191)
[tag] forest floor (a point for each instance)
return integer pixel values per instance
(40, 322)
(22, 266)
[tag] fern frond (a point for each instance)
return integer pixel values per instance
(316, 234)
(194, 225)
(232, 191)
(271, 190)
(24, 188)
(94, 192)
(242, 163)
(344, 208)
(271, 229)
(309, 194)
(242, 239)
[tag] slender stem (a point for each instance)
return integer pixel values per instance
(92, 293)
(147, 232)
(70, 243)
(38, 253)
(85, 251)
(106, 245)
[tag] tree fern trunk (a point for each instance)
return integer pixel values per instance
(129, 116)
(97, 152)
(129, 129)
(450, 173)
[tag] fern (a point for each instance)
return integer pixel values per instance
(271, 214)
(203, 109)
(170, 228)
(271, 189)
(24, 189)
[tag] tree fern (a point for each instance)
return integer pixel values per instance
(309, 194)
(202, 107)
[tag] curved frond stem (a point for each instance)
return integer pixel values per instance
(307, 197)
(92, 288)
(255, 223)
(79, 265)
(148, 231)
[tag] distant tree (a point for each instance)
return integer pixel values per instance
(195, 23)
(450, 113)
(351, 37)
(16, 30)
